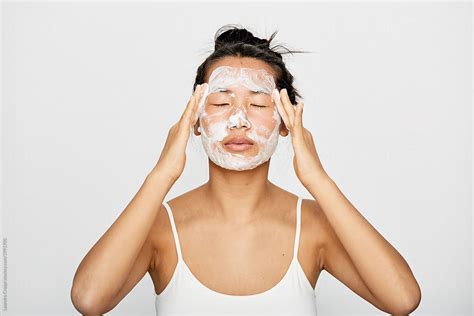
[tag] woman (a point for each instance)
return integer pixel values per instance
(239, 243)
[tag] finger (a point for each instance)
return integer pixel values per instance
(299, 114)
(290, 111)
(192, 101)
(199, 106)
(299, 119)
(281, 110)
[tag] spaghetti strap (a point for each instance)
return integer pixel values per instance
(298, 228)
(175, 231)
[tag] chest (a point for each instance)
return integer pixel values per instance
(236, 260)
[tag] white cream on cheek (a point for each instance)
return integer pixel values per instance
(212, 134)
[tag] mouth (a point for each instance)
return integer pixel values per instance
(238, 147)
(238, 144)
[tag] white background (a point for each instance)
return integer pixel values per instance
(91, 89)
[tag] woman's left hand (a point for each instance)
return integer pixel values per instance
(306, 161)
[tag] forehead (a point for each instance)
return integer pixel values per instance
(240, 62)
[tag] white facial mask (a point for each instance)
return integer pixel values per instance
(246, 99)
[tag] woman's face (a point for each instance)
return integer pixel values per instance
(239, 104)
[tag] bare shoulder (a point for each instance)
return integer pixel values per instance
(161, 235)
(312, 219)
(311, 235)
(314, 215)
(317, 221)
(180, 206)
(313, 229)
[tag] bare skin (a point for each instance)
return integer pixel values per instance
(237, 230)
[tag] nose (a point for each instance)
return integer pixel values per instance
(238, 119)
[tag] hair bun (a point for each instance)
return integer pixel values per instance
(233, 40)
(232, 35)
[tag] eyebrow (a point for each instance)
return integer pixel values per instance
(252, 92)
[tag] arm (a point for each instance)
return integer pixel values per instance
(371, 266)
(123, 247)
(123, 254)
(360, 257)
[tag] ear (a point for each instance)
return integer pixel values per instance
(196, 128)
(283, 130)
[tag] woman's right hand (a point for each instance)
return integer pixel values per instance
(173, 156)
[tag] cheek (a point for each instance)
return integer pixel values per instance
(214, 126)
(264, 126)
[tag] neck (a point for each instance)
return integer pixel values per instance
(237, 196)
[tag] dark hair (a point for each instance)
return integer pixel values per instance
(232, 40)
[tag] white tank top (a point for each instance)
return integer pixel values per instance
(186, 295)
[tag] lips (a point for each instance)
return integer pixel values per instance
(238, 144)
(238, 141)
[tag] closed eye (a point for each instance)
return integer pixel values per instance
(224, 104)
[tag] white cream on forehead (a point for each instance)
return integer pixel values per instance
(257, 80)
